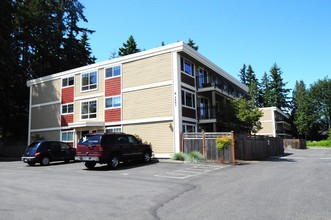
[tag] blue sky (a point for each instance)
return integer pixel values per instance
(295, 34)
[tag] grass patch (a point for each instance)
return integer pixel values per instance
(194, 157)
(322, 143)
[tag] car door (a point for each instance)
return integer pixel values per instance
(55, 149)
(124, 146)
(66, 152)
(136, 148)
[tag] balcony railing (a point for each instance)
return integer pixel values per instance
(208, 112)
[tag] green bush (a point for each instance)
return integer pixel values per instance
(195, 157)
(322, 143)
(179, 156)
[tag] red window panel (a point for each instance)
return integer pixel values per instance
(67, 95)
(65, 119)
(112, 115)
(113, 86)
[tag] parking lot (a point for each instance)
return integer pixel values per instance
(70, 191)
(294, 186)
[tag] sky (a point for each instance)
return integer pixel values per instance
(295, 34)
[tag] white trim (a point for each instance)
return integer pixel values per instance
(163, 155)
(67, 77)
(189, 119)
(30, 116)
(188, 87)
(148, 86)
(177, 104)
(110, 97)
(44, 104)
(69, 113)
(147, 120)
(81, 81)
(116, 123)
(46, 129)
(82, 124)
(96, 111)
(112, 66)
(91, 96)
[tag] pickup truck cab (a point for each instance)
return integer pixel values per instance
(111, 148)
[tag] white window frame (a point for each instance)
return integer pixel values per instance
(89, 113)
(67, 135)
(182, 67)
(119, 129)
(89, 83)
(185, 125)
(184, 99)
(113, 71)
(67, 78)
(112, 97)
(67, 104)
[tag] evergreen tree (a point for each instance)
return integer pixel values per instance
(130, 47)
(243, 75)
(263, 95)
(38, 38)
(320, 96)
(278, 92)
(303, 110)
(192, 44)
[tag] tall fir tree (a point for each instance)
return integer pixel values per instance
(130, 47)
(278, 93)
(243, 75)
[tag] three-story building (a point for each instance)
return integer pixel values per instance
(156, 94)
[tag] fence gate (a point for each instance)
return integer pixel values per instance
(205, 143)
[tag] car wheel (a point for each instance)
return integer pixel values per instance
(44, 161)
(90, 165)
(113, 162)
(147, 156)
(31, 163)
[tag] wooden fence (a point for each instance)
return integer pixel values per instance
(205, 143)
(244, 147)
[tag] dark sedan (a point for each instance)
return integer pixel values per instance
(44, 152)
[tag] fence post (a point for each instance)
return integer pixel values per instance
(203, 145)
(182, 148)
(232, 148)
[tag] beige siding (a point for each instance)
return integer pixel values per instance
(46, 92)
(147, 71)
(45, 135)
(147, 103)
(158, 134)
(46, 116)
(267, 128)
(100, 109)
(100, 86)
(267, 115)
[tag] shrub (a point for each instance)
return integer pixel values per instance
(223, 142)
(179, 156)
(195, 157)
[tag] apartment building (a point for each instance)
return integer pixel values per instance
(275, 123)
(156, 94)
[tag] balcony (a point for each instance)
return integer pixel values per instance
(207, 114)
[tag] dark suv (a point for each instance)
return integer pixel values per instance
(44, 152)
(111, 148)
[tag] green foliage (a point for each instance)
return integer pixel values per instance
(191, 43)
(130, 47)
(180, 156)
(223, 142)
(322, 143)
(195, 157)
(247, 115)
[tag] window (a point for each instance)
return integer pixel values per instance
(68, 81)
(114, 130)
(188, 99)
(189, 128)
(67, 108)
(67, 136)
(113, 71)
(89, 81)
(113, 102)
(89, 109)
(186, 67)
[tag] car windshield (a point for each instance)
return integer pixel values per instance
(34, 145)
(90, 139)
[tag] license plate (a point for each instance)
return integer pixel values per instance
(86, 158)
